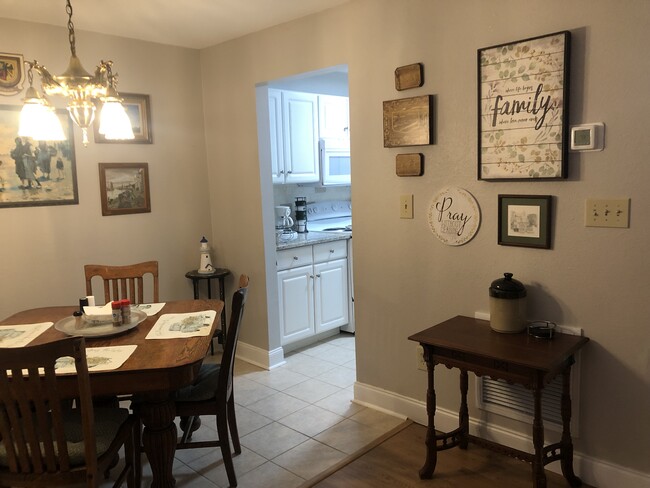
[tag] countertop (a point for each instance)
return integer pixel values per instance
(310, 238)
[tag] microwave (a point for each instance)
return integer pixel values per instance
(334, 161)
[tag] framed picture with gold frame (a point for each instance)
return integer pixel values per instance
(138, 109)
(124, 188)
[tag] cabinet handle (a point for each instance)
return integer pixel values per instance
(295, 258)
(311, 276)
(318, 275)
(289, 172)
(331, 251)
(281, 172)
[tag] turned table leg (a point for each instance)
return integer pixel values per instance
(539, 477)
(463, 416)
(566, 443)
(430, 441)
(159, 439)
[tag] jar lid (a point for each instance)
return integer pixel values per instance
(507, 288)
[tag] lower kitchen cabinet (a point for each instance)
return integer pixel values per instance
(313, 290)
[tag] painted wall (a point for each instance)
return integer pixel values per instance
(405, 280)
(43, 249)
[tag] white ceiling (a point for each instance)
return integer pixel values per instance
(187, 23)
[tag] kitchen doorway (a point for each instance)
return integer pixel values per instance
(303, 176)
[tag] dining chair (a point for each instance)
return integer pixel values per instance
(124, 281)
(212, 393)
(43, 440)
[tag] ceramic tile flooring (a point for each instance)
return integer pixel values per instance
(294, 421)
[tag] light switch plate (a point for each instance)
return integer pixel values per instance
(406, 206)
(607, 212)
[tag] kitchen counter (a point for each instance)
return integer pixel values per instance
(310, 238)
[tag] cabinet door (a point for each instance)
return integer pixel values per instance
(334, 117)
(296, 294)
(277, 142)
(300, 131)
(331, 297)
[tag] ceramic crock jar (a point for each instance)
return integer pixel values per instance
(507, 305)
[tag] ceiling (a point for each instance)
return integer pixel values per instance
(187, 23)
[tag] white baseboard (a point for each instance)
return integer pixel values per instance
(260, 357)
(592, 471)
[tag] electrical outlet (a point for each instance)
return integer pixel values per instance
(607, 212)
(406, 207)
(422, 365)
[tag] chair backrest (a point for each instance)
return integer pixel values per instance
(230, 347)
(124, 281)
(32, 438)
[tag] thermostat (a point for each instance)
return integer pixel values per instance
(588, 137)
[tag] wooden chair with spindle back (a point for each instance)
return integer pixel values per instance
(43, 441)
(124, 281)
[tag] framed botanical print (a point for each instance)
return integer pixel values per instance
(523, 108)
(525, 220)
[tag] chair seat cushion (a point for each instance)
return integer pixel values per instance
(107, 423)
(205, 386)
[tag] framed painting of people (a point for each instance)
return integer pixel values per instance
(35, 173)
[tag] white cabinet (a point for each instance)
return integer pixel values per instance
(299, 163)
(276, 140)
(334, 117)
(313, 289)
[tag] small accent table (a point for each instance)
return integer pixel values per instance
(471, 345)
(220, 274)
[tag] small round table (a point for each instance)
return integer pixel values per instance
(220, 274)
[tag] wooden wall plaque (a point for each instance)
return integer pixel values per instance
(409, 164)
(410, 76)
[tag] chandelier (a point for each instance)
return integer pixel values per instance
(84, 91)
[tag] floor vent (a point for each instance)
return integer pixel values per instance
(516, 402)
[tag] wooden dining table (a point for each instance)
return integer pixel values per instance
(155, 370)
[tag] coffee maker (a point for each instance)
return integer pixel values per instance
(284, 223)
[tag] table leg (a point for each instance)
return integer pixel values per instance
(195, 285)
(430, 441)
(566, 444)
(209, 288)
(539, 477)
(463, 416)
(159, 438)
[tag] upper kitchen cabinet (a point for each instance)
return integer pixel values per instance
(300, 136)
(334, 117)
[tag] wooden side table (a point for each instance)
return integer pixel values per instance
(470, 345)
(219, 274)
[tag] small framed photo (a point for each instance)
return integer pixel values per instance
(138, 109)
(408, 121)
(124, 188)
(525, 220)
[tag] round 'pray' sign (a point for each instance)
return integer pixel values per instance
(454, 216)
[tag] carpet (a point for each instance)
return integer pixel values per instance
(355, 455)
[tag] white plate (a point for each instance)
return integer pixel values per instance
(78, 326)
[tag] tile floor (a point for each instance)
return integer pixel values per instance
(294, 421)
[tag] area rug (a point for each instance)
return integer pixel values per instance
(355, 455)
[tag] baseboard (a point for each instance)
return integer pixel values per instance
(595, 472)
(260, 357)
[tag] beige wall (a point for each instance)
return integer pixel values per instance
(43, 249)
(406, 280)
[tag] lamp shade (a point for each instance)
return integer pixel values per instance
(114, 123)
(38, 121)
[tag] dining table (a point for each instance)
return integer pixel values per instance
(153, 372)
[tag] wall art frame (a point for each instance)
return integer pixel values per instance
(124, 188)
(525, 220)
(12, 73)
(46, 176)
(523, 109)
(408, 121)
(138, 108)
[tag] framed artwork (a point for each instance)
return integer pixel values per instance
(454, 216)
(523, 107)
(138, 109)
(525, 220)
(408, 121)
(124, 188)
(35, 173)
(12, 73)
(410, 76)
